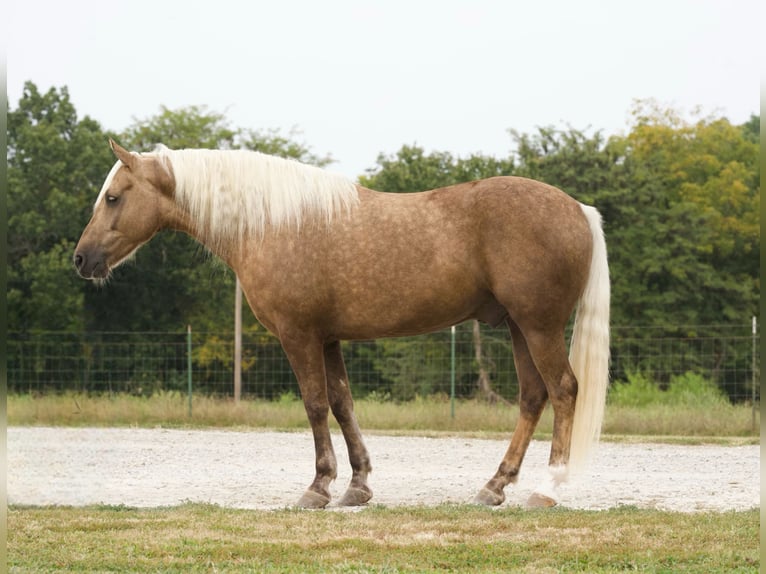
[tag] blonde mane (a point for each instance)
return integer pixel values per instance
(234, 194)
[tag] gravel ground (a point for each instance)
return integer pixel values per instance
(265, 470)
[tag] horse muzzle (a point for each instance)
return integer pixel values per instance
(91, 265)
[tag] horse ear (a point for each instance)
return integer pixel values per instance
(122, 154)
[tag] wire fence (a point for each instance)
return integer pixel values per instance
(397, 369)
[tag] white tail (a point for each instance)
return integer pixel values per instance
(589, 349)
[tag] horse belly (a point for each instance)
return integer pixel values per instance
(399, 303)
(392, 319)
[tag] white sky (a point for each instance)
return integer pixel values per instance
(364, 77)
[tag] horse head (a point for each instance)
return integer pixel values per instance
(135, 202)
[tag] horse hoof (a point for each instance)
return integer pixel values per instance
(311, 499)
(488, 497)
(355, 496)
(537, 500)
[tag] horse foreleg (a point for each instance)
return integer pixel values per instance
(306, 358)
(342, 406)
(532, 398)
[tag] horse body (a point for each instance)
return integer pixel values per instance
(367, 264)
(412, 263)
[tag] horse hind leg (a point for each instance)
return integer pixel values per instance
(533, 396)
(548, 350)
(342, 405)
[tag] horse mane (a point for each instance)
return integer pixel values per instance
(231, 195)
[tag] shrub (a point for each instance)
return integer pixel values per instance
(692, 389)
(689, 389)
(638, 391)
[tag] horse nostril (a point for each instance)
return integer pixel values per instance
(79, 260)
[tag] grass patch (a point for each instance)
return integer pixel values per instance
(204, 538)
(722, 420)
(422, 416)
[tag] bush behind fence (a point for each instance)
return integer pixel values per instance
(399, 369)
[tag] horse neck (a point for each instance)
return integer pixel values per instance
(274, 195)
(177, 219)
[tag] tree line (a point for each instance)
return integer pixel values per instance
(679, 196)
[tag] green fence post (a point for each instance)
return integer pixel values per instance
(753, 367)
(189, 365)
(452, 373)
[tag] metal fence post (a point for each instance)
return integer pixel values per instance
(452, 373)
(237, 341)
(189, 365)
(755, 330)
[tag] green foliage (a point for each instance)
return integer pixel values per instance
(411, 169)
(692, 389)
(687, 390)
(638, 391)
(412, 373)
(44, 291)
(701, 207)
(56, 165)
(288, 398)
(190, 127)
(198, 127)
(274, 142)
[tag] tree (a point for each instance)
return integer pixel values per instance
(411, 169)
(56, 165)
(702, 187)
(699, 224)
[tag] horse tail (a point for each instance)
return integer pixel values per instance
(589, 349)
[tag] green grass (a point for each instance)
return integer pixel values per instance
(693, 422)
(204, 538)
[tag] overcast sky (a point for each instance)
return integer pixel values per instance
(364, 77)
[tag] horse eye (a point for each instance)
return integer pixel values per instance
(111, 199)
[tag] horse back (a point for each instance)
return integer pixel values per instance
(414, 262)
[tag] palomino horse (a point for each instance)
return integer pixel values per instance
(321, 260)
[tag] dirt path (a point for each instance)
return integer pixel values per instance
(146, 468)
